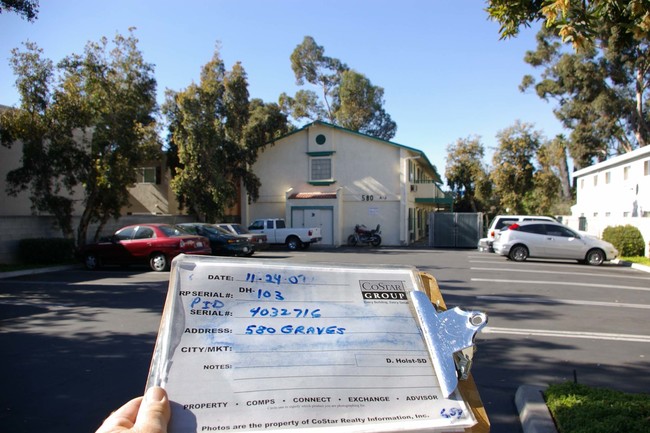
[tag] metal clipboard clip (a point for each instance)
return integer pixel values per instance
(449, 337)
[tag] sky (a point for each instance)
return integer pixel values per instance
(446, 74)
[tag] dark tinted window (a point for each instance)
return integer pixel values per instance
(190, 229)
(173, 230)
(553, 230)
(144, 233)
(505, 222)
(532, 228)
(257, 225)
(125, 234)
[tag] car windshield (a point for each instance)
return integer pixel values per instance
(172, 231)
(239, 229)
(221, 231)
(216, 231)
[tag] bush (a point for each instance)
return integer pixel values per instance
(627, 240)
(46, 251)
(578, 408)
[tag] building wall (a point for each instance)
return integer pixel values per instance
(11, 159)
(368, 182)
(614, 192)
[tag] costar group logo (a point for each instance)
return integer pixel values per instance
(382, 290)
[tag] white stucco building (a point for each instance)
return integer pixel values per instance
(614, 192)
(329, 177)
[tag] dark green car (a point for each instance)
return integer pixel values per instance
(221, 241)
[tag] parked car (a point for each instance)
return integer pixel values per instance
(547, 239)
(500, 221)
(155, 244)
(259, 241)
(221, 241)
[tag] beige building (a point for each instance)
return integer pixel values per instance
(333, 178)
(320, 175)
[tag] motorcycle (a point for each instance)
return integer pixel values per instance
(363, 235)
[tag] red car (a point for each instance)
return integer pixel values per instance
(155, 244)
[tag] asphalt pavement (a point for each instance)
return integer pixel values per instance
(77, 344)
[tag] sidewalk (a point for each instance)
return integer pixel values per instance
(34, 271)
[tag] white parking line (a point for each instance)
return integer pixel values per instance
(567, 334)
(521, 299)
(563, 283)
(588, 274)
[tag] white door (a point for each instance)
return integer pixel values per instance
(322, 218)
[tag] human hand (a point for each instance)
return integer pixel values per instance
(148, 414)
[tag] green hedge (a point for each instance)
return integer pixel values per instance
(627, 240)
(46, 251)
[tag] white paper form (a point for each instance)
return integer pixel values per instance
(267, 345)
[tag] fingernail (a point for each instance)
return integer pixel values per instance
(155, 393)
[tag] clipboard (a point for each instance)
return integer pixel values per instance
(267, 345)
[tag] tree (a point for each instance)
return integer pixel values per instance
(466, 174)
(601, 93)
(575, 21)
(513, 166)
(86, 129)
(347, 98)
(28, 9)
(215, 133)
(546, 185)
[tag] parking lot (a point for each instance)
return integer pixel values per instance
(77, 344)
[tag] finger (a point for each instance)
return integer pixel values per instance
(154, 412)
(123, 418)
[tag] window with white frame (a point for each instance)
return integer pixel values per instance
(608, 177)
(626, 172)
(321, 169)
(646, 168)
(595, 180)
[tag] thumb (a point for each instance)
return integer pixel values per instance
(154, 412)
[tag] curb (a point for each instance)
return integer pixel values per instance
(35, 271)
(533, 412)
(636, 266)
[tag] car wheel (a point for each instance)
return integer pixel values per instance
(158, 262)
(595, 257)
(91, 261)
(293, 243)
(352, 240)
(518, 253)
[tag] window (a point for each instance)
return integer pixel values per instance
(646, 168)
(608, 177)
(144, 233)
(149, 175)
(125, 234)
(321, 168)
(596, 180)
(582, 184)
(626, 172)
(257, 225)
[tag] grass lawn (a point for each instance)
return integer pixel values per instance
(578, 408)
(639, 260)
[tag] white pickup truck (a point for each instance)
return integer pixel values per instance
(277, 232)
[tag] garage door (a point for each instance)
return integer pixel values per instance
(315, 217)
